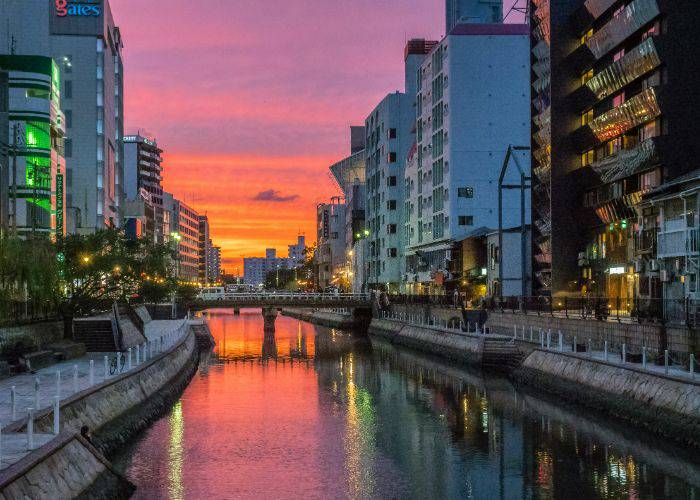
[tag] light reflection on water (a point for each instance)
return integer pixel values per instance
(316, 413)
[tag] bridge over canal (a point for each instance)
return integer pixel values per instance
(270, 303)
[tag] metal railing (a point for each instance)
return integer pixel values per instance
(277, 296)
(676, 311)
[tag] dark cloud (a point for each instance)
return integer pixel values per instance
(272, 195)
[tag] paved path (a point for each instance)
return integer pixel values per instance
(39, 390)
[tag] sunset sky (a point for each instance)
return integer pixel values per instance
(252, 100)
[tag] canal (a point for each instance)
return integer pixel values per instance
(318, 413)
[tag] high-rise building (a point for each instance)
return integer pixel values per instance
(613, 85)
(4, 135)
(464, 127)
(472, 11)
(329, 258)
(297, 251)
(35, 142)
(389, 135)
(87, 46)
(214, 263)
(204, 246)
(143, 170)
(256, 269)
(184, 234)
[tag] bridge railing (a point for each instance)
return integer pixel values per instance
(289, 296)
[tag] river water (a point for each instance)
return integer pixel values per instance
(318, 413)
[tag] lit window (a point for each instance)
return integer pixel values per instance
(587, 117)
(587, 76)
(588, 34)
(587, 158)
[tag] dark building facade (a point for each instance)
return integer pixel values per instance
(143, 170)
(4, 135)
(614, 84)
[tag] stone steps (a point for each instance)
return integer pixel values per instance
(501, 354)
(96, 334)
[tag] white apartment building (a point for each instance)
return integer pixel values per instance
(389, 135)
(472, 103)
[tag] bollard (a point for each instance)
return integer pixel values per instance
(590, 348)
(56, 415)
(574, 349)
(541, 339)
(92, 372)
(692, 366)
(58, 383)
(644, 356)
(30, 428)
(75, 379)
(531, 337)
(106, 363)
(128, 360)
(36, 392)
(666, 361)
(13, 397)
(515, 332)
(138, 354)
(561, 342)
(605, 354)
(624, 353)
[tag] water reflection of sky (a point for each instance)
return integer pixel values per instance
(317, 413)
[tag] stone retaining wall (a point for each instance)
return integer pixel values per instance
(662, 404)
(462, 347)
(634, 335)
(115, 411)
(32, 337)
(67, 467)
(323, 318)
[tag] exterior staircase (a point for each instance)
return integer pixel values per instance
(97, 333)
(500, 354)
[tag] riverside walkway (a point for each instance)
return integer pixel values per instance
(28, 393)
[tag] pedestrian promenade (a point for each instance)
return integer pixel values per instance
(27, 392)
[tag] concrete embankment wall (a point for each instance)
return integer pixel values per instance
(115, 411)
(665, 405)
(680, 338)
(321, 317)
(67, 467)
(460, 347)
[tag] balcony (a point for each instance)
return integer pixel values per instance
(634, 17)
(640, 60)
(638, 110)
(627, 162)
(598, 7)
(679, 243)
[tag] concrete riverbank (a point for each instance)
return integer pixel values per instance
(667, 405)
(115, 410)
(322, 317)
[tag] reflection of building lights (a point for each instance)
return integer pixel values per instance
(175, 452)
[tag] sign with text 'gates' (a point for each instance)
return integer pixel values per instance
(66, 8)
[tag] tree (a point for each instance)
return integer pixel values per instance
(98, 268)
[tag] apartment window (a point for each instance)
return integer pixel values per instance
(649, 130)
(68, 148)
(391, 252)
(618, 55)
(466, 220)
(68, 89)
(590, 198)
(391, 133)
(588, 157)
(614, 146)
(391, 229)
(649, 180)
(391, 205)
(391, 181)
(588, 34)
(587, 117)
(619, 99)
(391, 158)
(587, 76)
(69, 118)
(465, 192)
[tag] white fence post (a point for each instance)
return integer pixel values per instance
(92, 372)
(13, 395)
(624, 352)
(106, 363)
(138, 354)
(30, 428)
(56, 415)
(575, 346)
(75, 379)
(644, 356)
(605, 350)
(36, 392)
(58, 383)
(128, 361)
(549, 339)
(666, 361)
(561, 342)
(692, 366)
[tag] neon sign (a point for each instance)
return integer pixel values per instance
(64, 8)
